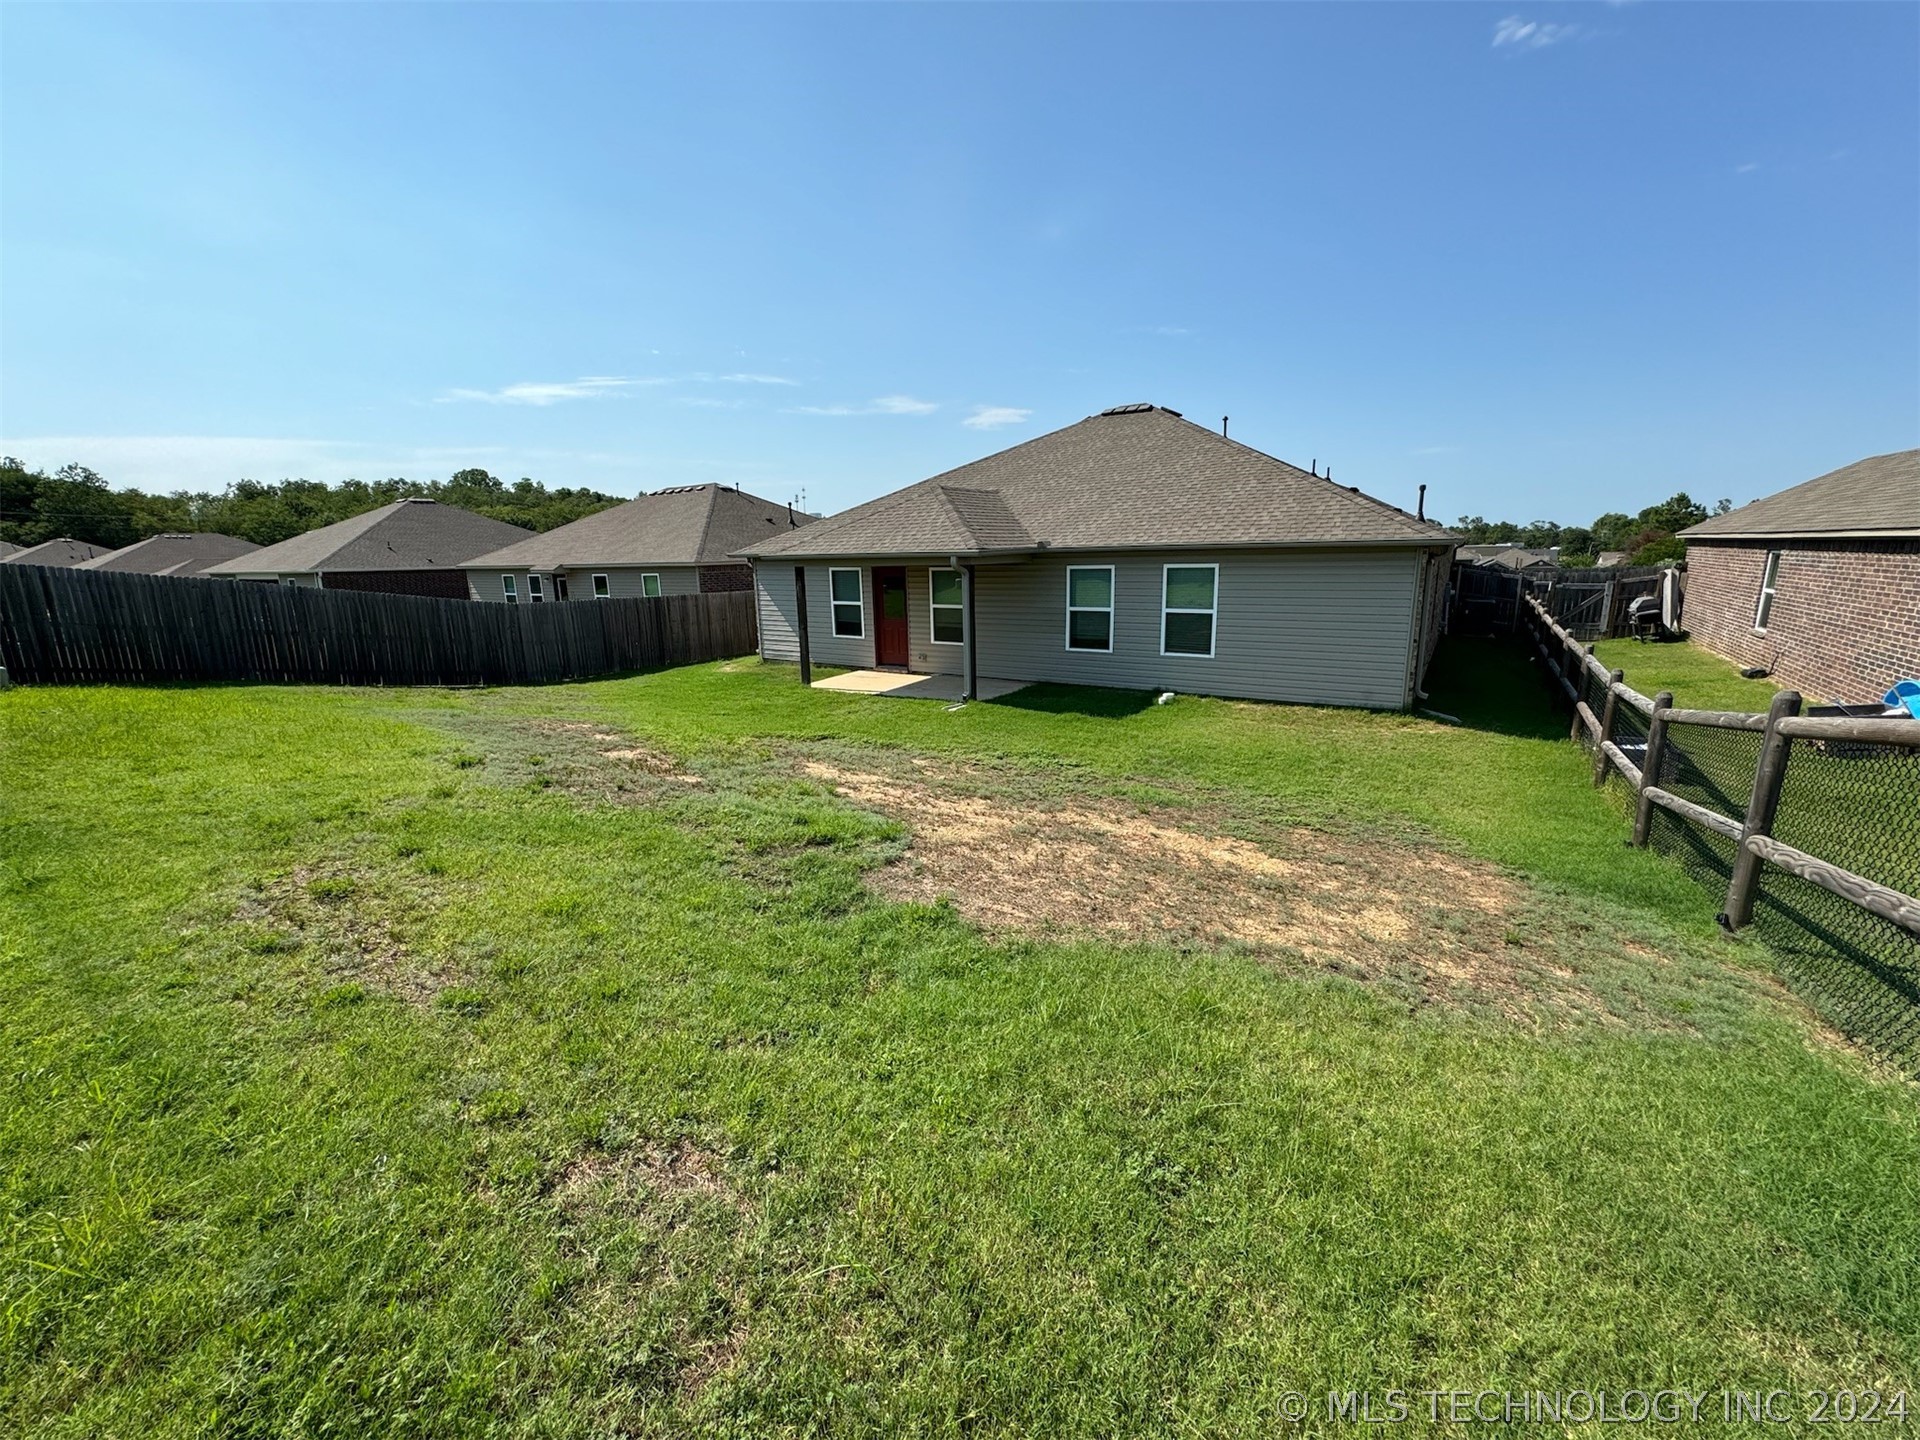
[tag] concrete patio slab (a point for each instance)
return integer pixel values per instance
(899, 685)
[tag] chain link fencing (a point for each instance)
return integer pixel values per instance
(1851, 803)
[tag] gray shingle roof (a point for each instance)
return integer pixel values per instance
(7, 549)
(1132, 477)
(1876, 496)
(60, 553)
(406, 535)
(171, 554)
(687, 525)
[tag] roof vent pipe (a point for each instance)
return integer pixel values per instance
(1223, 427)
(1316, 469)
(1420, 505)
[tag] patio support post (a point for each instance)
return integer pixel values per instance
(800, 604)
(970, 683)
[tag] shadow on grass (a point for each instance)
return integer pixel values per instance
(1078, 700)
(1490, 685)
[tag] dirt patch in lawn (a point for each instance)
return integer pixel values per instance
(656, 1224)
(588, 761)
(659, 1177)
(1436, 925)
(347, 923)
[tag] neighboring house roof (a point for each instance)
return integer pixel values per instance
(1133, 477)
(1876, 496)
(1608, 559)
(6, 549)
(61, 552)
(1509, 557)
(686, 525)
(171, 554)
(406, 535)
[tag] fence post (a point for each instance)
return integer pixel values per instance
(1768, 773)
(1579, 678)
(1650, 766)
(1600, 761)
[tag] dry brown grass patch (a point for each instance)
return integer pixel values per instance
(1437, 923)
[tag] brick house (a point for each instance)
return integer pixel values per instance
(1819, 584)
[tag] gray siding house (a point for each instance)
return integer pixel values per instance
(411, 547)
(679, 541)
(1134, 549)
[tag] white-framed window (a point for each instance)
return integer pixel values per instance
(650, 586)
(1189, 604)
(849, 604)
(1090, 607)
(1769, 577)
(600, 590)
(559, 586)
(947, 607)
(506, 589)
(536, 591)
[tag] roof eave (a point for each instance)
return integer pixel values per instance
(1419, 542)
(1710, 535)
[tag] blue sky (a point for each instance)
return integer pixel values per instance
(1550, 259)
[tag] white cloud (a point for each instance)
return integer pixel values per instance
(597, 387)
(552, 392)
(885, 405)
(1746, 169)
(992, 417)
(1434, 450)
(1515, 33)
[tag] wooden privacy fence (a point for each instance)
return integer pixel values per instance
(1589, 603)
(76, 627)
(1811, 824)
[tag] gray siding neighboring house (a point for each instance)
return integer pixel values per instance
(1319, 595)
(60, 553)
(411, 547)
(678, 541)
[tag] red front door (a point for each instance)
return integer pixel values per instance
(890, 612)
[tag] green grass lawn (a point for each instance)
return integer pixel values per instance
(1699, 679)
(543, 1063)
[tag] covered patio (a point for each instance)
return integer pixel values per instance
(898, 684)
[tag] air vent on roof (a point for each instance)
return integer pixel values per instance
(1127, 410)
(679, 489)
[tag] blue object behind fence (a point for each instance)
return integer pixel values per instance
(1907, 693)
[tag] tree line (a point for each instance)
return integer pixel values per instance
(77, 503)
(1646, 539)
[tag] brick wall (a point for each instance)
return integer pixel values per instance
(716, 579)
(1845, 622)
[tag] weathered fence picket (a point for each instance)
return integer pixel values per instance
(81, 627)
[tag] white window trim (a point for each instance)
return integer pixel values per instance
(602, 588)
(507, 589)
(833, 626)
(1769, 589)
(1213, 630)
(658, 590)
(536, 592)
(932, 633)
(1066, 640)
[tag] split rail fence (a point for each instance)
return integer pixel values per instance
(79, 627)
(1807, 826)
